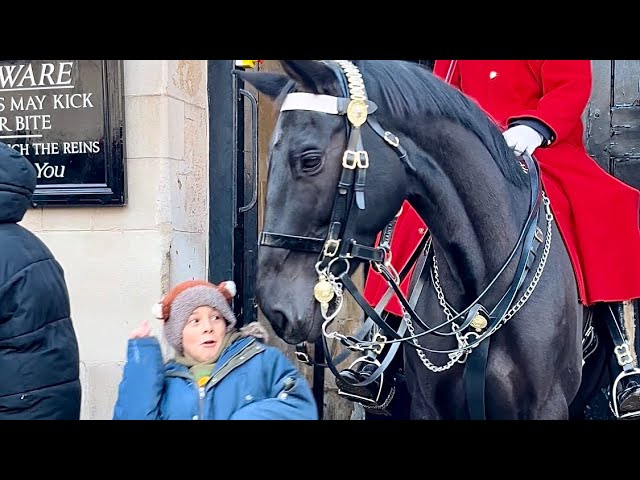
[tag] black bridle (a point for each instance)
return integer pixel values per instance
(339, 247)
(339, 244)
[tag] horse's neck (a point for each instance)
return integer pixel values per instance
(474, 215)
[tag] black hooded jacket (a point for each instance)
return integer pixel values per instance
(39, 360)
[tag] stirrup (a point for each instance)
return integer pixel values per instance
(614, 395)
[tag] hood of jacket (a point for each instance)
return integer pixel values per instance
(17, 184)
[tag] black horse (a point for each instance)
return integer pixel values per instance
(498, 272)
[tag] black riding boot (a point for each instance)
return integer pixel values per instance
(377, 396)
(626, 386)
(386, 397)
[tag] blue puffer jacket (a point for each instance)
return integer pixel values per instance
(251, 381)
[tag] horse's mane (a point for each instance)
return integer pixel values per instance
(408, 90)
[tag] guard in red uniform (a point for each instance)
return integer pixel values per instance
(539, 105)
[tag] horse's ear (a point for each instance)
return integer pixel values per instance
(268, 83)
(312, 74)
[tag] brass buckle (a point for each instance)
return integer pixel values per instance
(352, 159)
(387, 261)
(623, 354)
(378, 337)
(303, 357)
(375, 266)
(539, 235)
(331, 247)
(391, 139)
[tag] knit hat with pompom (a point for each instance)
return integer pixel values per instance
(176, 307)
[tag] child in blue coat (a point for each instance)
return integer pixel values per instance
(218, 373)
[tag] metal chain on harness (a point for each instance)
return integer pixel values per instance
(464, 347)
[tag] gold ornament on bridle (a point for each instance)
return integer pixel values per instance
(479, 322)
(323, 290)
(357, 112)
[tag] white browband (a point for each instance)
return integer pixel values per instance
(311, 102)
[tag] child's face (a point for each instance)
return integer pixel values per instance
(203, 333)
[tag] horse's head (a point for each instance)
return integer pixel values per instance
(305, 166)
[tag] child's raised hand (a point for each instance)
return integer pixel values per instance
(144, 330)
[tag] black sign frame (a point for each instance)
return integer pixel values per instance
(113, 192)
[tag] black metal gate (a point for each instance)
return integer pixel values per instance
(233, 167)
(613, 120)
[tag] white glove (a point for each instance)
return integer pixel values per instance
(522, 138)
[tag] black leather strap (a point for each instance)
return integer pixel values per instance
(614, 322)
(476, 364)
(291, 242)
(386, 136)
(315, 245)
(364, 252)
(370, 312)
(420, 274)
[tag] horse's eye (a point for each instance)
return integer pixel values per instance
(311, 163)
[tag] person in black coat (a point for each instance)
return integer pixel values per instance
(39, 358)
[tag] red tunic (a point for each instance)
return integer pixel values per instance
(597, 214)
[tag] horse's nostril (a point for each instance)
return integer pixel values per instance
(277, 319)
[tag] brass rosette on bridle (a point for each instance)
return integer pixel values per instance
(357, 111)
